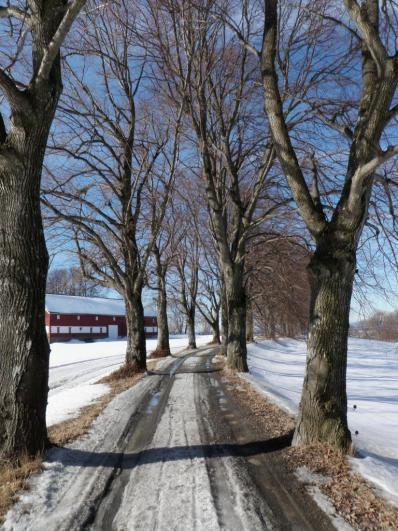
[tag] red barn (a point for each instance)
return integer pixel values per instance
(70, 317)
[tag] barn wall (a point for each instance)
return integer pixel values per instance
(74, 322)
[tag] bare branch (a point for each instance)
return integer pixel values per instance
(12, 11)
(54, 46)
(314, 219)
(14, 96)
(369, 34)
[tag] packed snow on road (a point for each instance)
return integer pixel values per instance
(277, 367)
(145, 464)
(75, 367)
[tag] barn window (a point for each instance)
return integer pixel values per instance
(114, 318)
(96, 317)
(58, 317)
(57, 329)
(78, 317)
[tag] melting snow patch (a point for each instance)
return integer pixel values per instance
(382, 474)
(66, 404)
(312, 482)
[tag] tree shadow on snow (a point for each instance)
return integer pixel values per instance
(82, 458)
(389, 461)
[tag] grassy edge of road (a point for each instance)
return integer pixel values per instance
(14, 476)
(322, 468)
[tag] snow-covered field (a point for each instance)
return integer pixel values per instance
(277, 367)
(76, 366)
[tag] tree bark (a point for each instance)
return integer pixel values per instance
(191, 328)
(163, 345)
(136, 342)
(249, 321)
(236, 297)
(216, 332)
(224, 320)
(24, 263)
(23, 341)
(323, 408)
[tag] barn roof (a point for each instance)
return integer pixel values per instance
(70, 304)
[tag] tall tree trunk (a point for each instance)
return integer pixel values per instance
(224, 319)
(249, 321)
(163, 345)
(216, 332)
(23, 341)
(323, 408)
(24, 262)
(136, 342)
(236, 297)
(191, 328)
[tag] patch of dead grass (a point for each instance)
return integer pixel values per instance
(13, 478)
(159, 353)
(352, 496)
(270, 416)
(125, 372)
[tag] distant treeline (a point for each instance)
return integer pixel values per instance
(381, 325)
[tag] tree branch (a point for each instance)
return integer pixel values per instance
(313, 218)
(14, 96)
(369, 34)
(54, 46)
(367, 169)
(11, 11)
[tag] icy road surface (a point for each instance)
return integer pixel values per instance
(76, 366)
(172, 453)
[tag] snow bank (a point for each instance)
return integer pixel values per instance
(76, 366)
(277, 367)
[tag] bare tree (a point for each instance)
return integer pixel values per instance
(30, 86)
(249, 315)
(176, 320)
(208, 301)
(277, 284)
(186, 265)
(299, 60)
(122, 164)
(380, 325)
(70, 281)
(165, 250)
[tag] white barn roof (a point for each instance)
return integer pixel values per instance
(84, 305)
(70, 304)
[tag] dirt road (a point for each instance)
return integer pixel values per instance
(185, 460)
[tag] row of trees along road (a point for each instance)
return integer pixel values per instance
(122, 160)
(197, 144)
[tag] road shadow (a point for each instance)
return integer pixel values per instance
(82, 458)
(182, 371)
